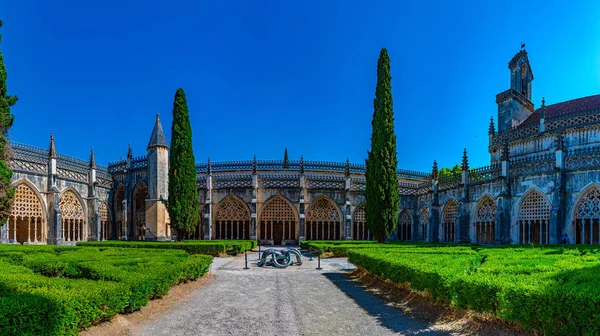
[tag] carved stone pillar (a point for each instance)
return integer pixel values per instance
(462, 224)
(434, 213)
(302, 215)
(559, 195)
(208, 203)
(253, 207)
(347, 209)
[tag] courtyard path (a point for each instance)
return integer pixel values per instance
(298, 300)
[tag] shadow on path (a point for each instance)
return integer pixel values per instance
(389, 317)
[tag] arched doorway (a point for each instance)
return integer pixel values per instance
(448, 221)
(26, 217)
(104, 221)
(73, 218)
(587, 217)
(323, 220)
(423, 221)
(232, 219)
(360, 231)
(278, 222)
(120, 227)
(485, 220)
(534, 219)
(139, 210)
(405, 225)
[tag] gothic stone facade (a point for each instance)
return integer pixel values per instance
(543, 181)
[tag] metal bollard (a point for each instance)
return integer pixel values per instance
(319, 261)
(246, 260)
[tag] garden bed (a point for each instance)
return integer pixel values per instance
(211, 247)
(54, 290)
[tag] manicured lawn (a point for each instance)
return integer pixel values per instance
(51, 290)
(553, 289)
(211, 247)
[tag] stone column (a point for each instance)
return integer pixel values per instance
(55, 227)
(348, 210)
(4, 232)
(503, 218)
(124, 228)
(434, 213)
(208, 203)
(558, 220)
(302, 219)
(94, 220)
(253, 209)
(462, 224)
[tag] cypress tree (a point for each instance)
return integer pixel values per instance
(183, 191)
(382, 185)
(286, 161)
(6, 120)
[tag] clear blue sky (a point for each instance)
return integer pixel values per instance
(264, 75)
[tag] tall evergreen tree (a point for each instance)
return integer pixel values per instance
(6, 120)
(286, 160)
(382, 184)
(183, 191)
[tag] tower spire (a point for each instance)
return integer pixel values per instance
(129, 151)
(434, 170)
(465, 160)
(52, 149)
(491, 129)
(92, 159)
(157, 139)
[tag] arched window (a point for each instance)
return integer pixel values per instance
(139, 210)
(73, 218)
(423, 222)
(104, 220)
(405, 226)
(534, 219)
(448, 220)
(360, 230)
(232, 219)
(120, 230)
(587, 217)
(26, 217)
(485, 220)
(323, 220)
(278, 222)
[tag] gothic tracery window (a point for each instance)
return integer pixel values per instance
(323, 220)
(104, 220)
(587, 217)
(405, 226)
(277, 221)
(26, 220)
(448, 221)
(73, 219)
(534, 219)
(423, 222)
(360, 231)
(232, 219)
(485, 220)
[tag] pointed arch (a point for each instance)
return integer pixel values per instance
(232, 219)
(534, 218)
(140, 192)
(484, 220)
(405, 222)
(586, 215)
(360, 230)
(448, 221)
(323, 219)
(105, 219)
(72, 209)
(27, 216)
(423, 223)
(118, 207)
(278, 221)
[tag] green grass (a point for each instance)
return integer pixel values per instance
(211, 247)
(553, 289)
(52, 290)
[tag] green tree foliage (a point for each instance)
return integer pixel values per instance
(286, 160)
(382, 184)
(6, 120)
(456, 170)
(183, 191)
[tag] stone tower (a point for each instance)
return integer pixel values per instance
(514, 104)
(157, 217)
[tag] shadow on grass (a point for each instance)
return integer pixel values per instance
(392, 318)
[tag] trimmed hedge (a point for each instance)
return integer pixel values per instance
(339, 248)
(555, 290)
(211, 247)
(51, 290)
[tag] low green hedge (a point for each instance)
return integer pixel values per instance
(50, 290)
(554, 290)
(211, 247)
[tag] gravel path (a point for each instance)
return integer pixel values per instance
(298, 300)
